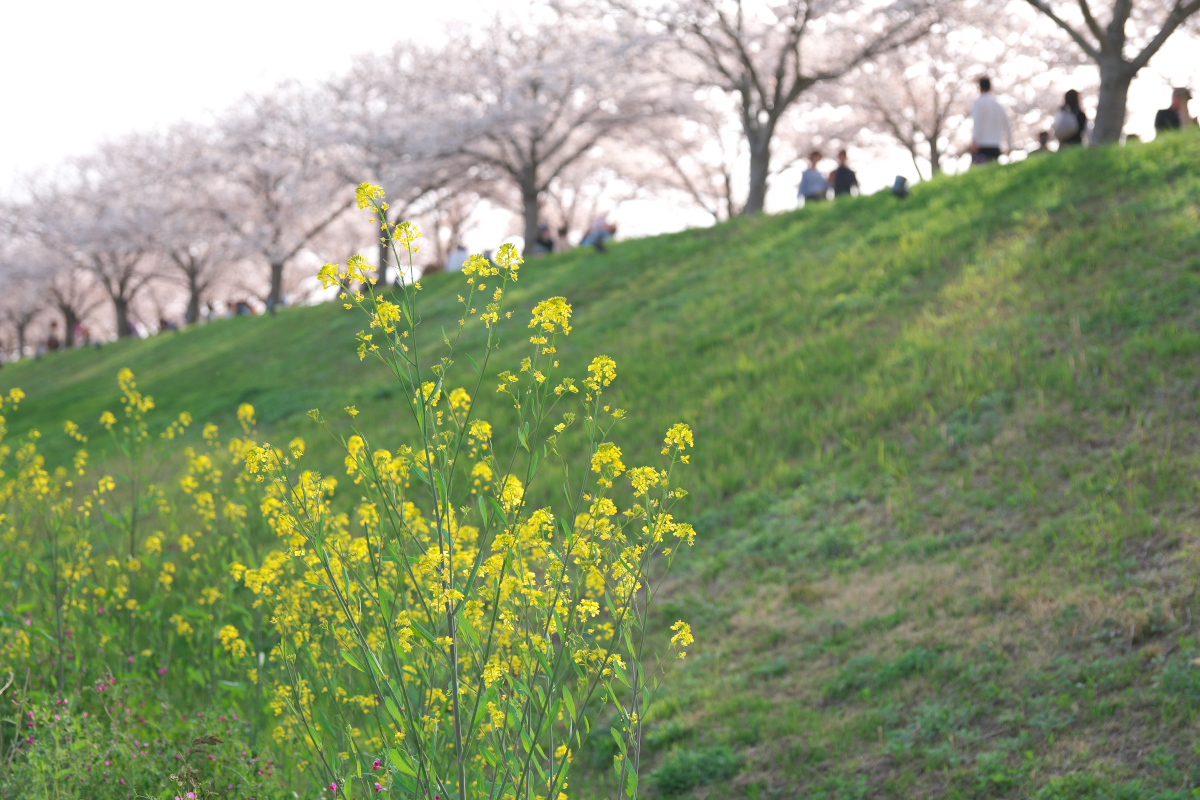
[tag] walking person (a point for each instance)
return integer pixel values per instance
(992, 128)
(1175, 117)
(1070, 123)
(813, 186)
(844, 180)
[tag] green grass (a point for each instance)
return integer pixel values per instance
(945, 472)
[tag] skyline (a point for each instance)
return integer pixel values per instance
(143, 74)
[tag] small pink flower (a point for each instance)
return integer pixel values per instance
(333, 787)
(378, 786)
(162, 670)
(377, 765)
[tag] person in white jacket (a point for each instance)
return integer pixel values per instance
(993, 129)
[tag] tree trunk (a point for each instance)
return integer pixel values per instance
(21, 328)
(121, 307)
(529, 199)
(760, 166)
(276, 295)
(1115, 77)
(70, 320)
(935, 159)
(192, 316)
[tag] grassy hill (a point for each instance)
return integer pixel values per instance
(946, 473)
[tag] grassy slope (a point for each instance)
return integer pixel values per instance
(945, 471)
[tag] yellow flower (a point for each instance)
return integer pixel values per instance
(387, 314)
(510, 498)
(678, 437)
(508, 258)
(107, 419)
(683, 636)
(328, 275)
(551, 315)
(607, 461)
(603, 372)
(642, 479)
(245, 415)
(366, 193)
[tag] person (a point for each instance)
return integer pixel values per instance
(53, 343)
(992, 129)
(1043, 144)
(544, 243)
(813, 186)
(600, 232)
(1175, 116)
(1070, 122)
(457, 257)
(564, 242)
(844, 180)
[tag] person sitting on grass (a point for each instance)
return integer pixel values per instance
(600, 232)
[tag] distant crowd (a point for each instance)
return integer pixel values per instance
(992, 137)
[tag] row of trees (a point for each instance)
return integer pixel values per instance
(560, 107)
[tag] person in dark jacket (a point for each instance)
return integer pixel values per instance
(843, 179)
(1176, 116)
(1070, 123)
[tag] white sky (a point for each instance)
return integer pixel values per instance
(74, 73)
(77, 72)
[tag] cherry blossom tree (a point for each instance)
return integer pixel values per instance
(385, 128)
(192, 242)
(1119, 37)
(769, 53)
(920, 96)
(533, 94)
(279, 185)
(23, 298)
(97, 215)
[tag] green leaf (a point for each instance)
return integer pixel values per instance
(570, 701)
(443, 490)
(402, 762)
(619, 739)
(348, 790)
(478, 371)
(631, 781)
(424, 634)
(352, 661)
(472, 636)
(499, 509)
(394, 710)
